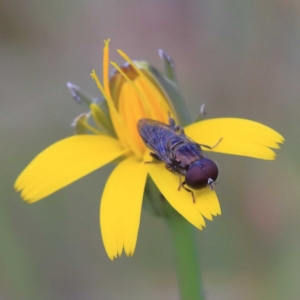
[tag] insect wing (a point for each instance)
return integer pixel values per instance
(156, 136)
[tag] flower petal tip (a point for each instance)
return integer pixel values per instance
(130, 254)
(27, 199)
(111, 257)
(202, 224)
(208, 217)
(106, 42)
(93, 74)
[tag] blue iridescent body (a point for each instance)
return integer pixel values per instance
(181, 155)
(170, 145)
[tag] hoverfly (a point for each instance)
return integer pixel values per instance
(181, 154)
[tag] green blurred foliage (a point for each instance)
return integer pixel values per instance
(241, 58)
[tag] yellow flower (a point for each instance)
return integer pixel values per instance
(133, 93)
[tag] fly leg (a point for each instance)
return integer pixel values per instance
(155, 157)
(173, 125)
(179, 187)
(212, 147)
(188, 190)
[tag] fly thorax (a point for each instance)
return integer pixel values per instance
(173, 143)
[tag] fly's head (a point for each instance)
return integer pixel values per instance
(202, 173)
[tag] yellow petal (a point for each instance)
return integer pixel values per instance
(120, 208)
(239, 137)
(64, 162)
(207, 203)
(181, 200)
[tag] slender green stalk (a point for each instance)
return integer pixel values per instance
(182, 232)
(184, 243)
(186, 257)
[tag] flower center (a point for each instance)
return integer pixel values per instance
(132, 93)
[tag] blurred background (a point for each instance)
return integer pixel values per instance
(240, 58)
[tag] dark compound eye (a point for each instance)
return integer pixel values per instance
(199, 173)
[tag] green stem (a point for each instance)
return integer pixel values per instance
(183, 235)
(186, 254)
(186, 257)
